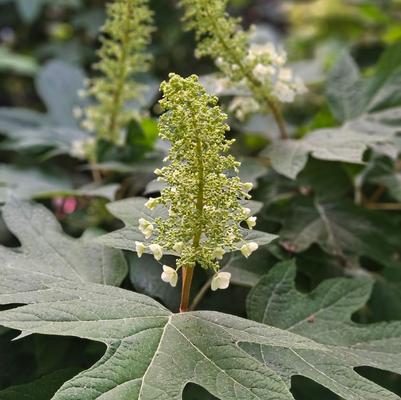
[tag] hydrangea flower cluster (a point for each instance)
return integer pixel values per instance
(203, 193)
(126, 34)
(258, 69)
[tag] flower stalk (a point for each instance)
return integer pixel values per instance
(203, 194)
(256, 70)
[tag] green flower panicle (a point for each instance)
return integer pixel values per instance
(203, 192)
(126, 34)
(258, 70)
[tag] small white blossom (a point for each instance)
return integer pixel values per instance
(218, 253)
(81, 148)
(82, 93)
(157, 171)
(140, 248)
(88, 125)
(221, 281)
(251, 222)
(145, 227)
(284, 92)
(77, 112)
(157, 251)
(242, 106)
(248, 248)
(151, 203)
(178, 247)
(169, 275)
(263, 72)
(246, 211)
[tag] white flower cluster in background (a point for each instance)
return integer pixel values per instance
(83, 148)
(268, 71)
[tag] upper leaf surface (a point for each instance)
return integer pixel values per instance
(324, 315)
(47, 254)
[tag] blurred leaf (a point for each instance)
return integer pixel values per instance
(289, 157)
(17, 63)
(34, 184)
(343, 89)
(58, 84)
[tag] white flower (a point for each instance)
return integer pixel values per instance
(251, 222)
(82, 93)
(80, 148)
(248, 248)
(246, 211)
(77, 112)
(140, 248)
(263, 72)
(299, 86)
(242, 106)
(145, 227)
(88, 125)
(221, 280)
(178, 247)
(158, 171)
(169, 275)
(283, 92)
(285, 74)
(218, 253)
(157, 251)
(151, 203)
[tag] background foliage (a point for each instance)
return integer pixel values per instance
(332, 193)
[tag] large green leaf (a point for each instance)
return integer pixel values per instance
(130, 210)
(153, 354)
(341, 229)
(369, 110)
(324, 315)
(47, 254)
(58, 84)
(345, 144)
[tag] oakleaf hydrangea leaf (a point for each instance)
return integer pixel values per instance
(324, 315)
(152, 353)
(47, 254)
